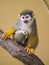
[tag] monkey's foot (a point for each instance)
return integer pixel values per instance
(29, 50)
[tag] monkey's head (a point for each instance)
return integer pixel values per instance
(26, 16)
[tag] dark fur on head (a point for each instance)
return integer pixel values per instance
(29, 12)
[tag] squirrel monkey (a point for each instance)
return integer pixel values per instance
(24, 31)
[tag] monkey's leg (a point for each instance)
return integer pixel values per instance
(28, 48)
(31, 45)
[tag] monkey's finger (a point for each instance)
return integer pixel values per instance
(3, 36)
(31, 51)
(28, 51)
(6, 37)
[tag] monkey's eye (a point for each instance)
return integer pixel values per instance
(23, 17)
(27, 16)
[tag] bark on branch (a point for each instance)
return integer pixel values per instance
(18, 52)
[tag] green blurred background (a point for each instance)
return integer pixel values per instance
(9, 10)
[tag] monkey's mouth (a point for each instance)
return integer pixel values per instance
(25, 21)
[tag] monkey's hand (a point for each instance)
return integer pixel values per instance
(8, 33)
(29, 50)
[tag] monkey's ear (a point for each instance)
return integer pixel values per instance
(33, 14)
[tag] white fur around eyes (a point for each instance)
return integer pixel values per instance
(23, 19)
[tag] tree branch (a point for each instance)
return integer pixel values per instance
(18, 52)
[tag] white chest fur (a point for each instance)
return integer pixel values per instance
(25, 27)
(23, 30)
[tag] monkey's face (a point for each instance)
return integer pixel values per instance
(26, 19)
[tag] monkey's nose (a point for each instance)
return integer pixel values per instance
(25, 21)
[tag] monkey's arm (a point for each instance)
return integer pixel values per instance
(8, 33)
(32, 43)
(11, 30)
